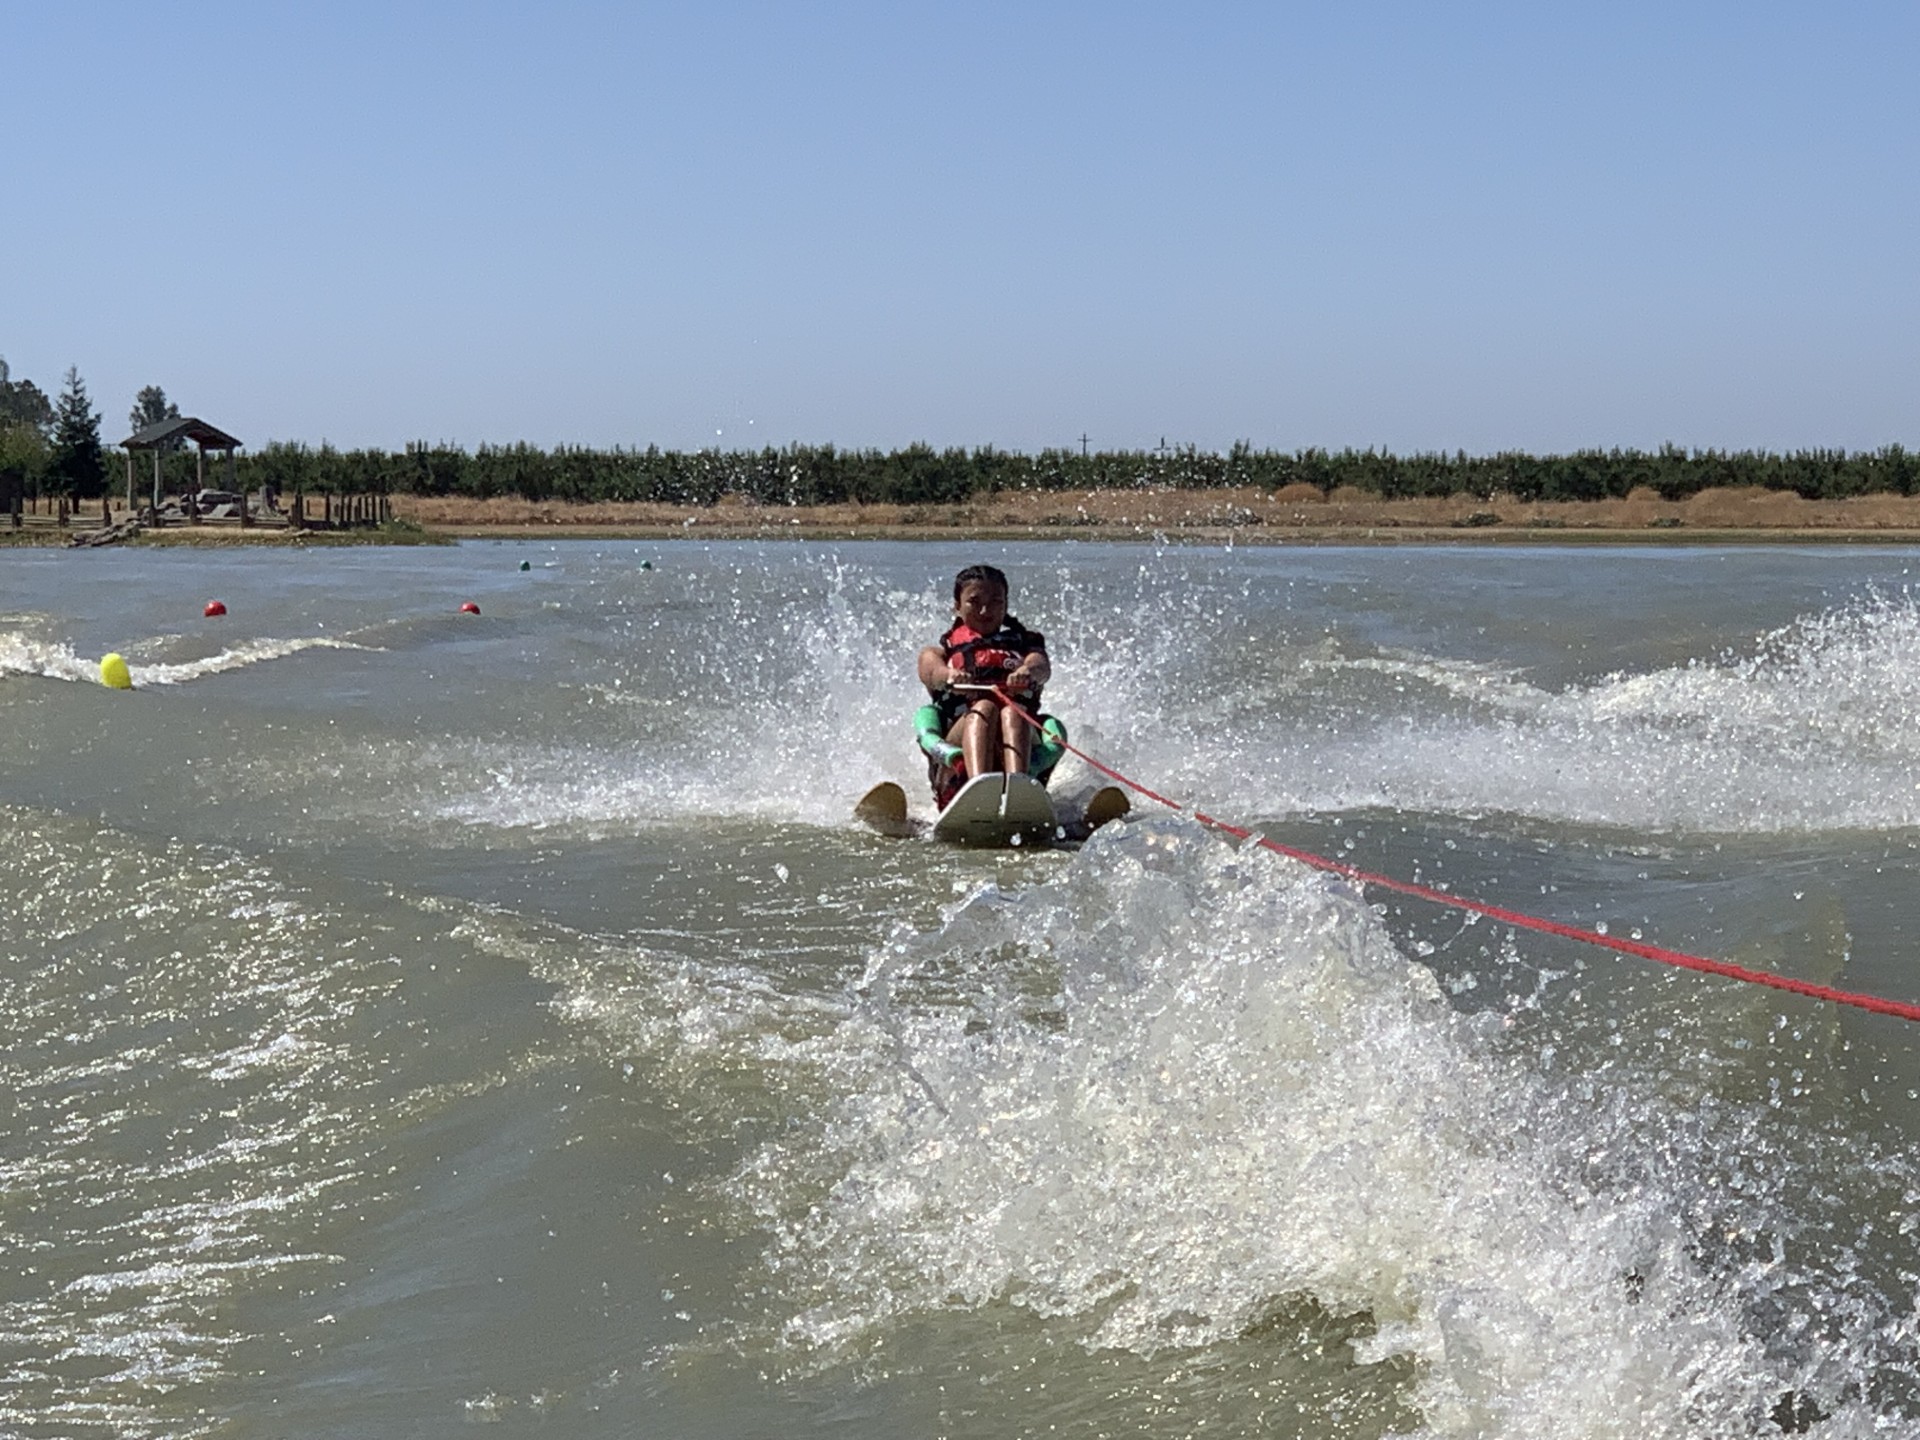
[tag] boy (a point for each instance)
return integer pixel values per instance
(973, 731)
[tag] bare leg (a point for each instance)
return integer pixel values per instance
(977, 733)
(1016, 740)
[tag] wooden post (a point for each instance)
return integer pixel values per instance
(129, 480)
(156, 480)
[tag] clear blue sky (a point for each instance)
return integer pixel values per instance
(1417, 225)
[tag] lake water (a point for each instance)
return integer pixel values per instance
(414, 1020)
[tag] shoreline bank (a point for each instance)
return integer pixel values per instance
(1295, 515)
(1404, 535)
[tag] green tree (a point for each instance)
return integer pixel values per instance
(22, 402)
(76, 465)
(23, 451)
(150, 407)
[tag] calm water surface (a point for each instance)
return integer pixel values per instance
(414, 1020)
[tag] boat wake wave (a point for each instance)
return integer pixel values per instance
(1181, 1086)
(21, 654)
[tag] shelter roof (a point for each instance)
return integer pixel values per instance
(208, 437)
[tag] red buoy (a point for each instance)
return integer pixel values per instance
(469, 608)
(215, 607)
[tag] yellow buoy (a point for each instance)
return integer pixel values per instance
(113, 673)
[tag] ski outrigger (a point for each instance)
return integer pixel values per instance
(990, 750)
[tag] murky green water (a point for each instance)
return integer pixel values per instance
(414, 1020)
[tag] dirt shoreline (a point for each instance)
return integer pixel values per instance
(1295, 515)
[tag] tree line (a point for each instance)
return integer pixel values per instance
(922, 475)
(53, 447)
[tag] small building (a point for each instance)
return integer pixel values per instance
(161, 436)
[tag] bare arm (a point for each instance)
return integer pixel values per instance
(935, 673)
(1033, 670)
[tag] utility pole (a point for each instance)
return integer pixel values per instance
(1084, 437)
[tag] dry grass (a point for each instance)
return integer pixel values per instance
(1294, 512)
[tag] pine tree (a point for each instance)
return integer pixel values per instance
(76, 465)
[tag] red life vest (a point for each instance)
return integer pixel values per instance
(1003, 650)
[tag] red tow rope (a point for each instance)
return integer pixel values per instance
(1679, 958)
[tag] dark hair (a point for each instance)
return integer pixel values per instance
(986, 574)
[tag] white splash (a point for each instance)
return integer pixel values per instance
(21, 654)
(1241, 1093)
(237, 657)
(1811, 731)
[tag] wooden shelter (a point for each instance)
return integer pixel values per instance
(160, 437)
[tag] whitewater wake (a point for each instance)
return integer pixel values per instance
(1182, 1085)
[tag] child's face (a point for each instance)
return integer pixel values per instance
(981, 605)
